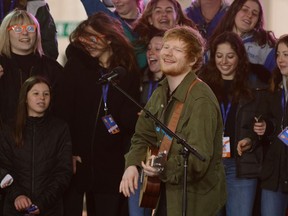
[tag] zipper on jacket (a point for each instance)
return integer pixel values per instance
(33, 163)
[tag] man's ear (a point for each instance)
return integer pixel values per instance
(193, 62)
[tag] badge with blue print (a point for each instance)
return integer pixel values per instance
(283, 136)
(226, 152)
(110, 124)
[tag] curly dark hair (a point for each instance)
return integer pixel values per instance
(212, 76)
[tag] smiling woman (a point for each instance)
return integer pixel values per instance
(241, 92)
(22, 38)
(160, 15)
(21, 56)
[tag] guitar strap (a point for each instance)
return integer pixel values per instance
(167, 141)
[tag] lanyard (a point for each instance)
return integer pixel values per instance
(283, 105)
(225, 113)
(283, 100)
(2, 11)
(104, 95)
(152, 87)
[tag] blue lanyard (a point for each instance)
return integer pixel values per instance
(283, 101)
(225, 113)
(12, 5)
(151, 89)
(283, 104)
(104, 95)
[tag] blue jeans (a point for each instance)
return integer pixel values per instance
(240, 192)
(133, 203)
(273, 203)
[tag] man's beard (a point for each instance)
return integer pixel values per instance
(175, 71)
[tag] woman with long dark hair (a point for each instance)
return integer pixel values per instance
(98, 45)
(274, 175)
(240, 89)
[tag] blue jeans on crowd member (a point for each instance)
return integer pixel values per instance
(273, 203)
(133, 203)
(240, 192)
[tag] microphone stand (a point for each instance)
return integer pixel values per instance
(187, 149)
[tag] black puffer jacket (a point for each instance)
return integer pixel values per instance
(250, 163)
(41, 168)
(274, 175)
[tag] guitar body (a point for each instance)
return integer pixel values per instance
(150, 188)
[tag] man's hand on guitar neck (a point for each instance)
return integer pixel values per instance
(129, 181)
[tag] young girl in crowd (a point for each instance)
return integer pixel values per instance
(21, 56)
(245, 18)
(240, 90)
(153, 74)
(274, 175)
(37, 151)
(161, 15)
(149, 82)
(98, 45)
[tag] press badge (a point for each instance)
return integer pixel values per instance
(226, 152)
(283, 136)
(110, 124)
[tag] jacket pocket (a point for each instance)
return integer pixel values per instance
(249, 165)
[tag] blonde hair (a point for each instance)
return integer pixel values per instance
(13, 18)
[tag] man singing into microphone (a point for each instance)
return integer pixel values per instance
(199, 123)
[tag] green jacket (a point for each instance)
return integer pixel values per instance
(200, 124)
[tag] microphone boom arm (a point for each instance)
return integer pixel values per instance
(159, 123)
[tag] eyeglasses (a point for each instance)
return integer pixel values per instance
(19, 28)
(91, 38)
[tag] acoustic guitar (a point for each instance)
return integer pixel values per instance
(150, 187)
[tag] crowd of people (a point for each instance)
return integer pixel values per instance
(159, 110)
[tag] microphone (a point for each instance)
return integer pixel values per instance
(116, 72)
